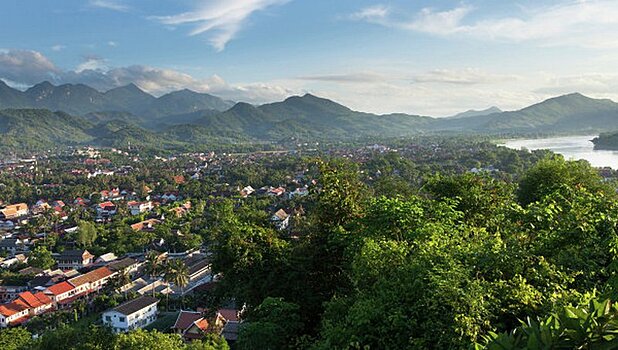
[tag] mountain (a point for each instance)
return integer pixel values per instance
(37, 129)
(130, 98)
(70, 98)
(475, 113)
(179, 120)
(183, 102)
(11, 98)
(308, 116)
(79, 99)
(573, 113)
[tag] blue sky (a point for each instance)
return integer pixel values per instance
(426, 57)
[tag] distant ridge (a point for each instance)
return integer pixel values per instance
(74, 114)
(476, 113)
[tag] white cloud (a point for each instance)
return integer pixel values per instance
(23, 68)
(58, 47)
(591, 24)
(375, 13)
(352, 78)
(112, 43)
(109, 5)
(468, 76)
(26, 66)
(221, 19)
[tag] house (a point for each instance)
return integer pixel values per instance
(12, 246)
(106, 209)
(126, 265)
(181, 210)
(137, 208)
(7, 225)
(62, 294)
(145, 225)
(37, 303)
(133, 314)
(92, 281)
(247, 191)
(228, 321)
(13, 313)
(169, 197)
(74, 259)
(105, 259)
(8, 293)
(14, 211)
(276, 192)
(299, 192)
(281, 219)
(198, 267)
(190, 325)
(40, 206)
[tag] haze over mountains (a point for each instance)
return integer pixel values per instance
(46, 115)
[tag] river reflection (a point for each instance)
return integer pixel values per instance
(571, 147)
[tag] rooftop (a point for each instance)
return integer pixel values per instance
(135, 305)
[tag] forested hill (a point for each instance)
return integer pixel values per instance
(186, 118)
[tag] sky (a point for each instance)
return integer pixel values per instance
(433, 58)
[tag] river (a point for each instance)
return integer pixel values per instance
(571, 147)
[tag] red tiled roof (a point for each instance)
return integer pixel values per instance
(229, 314)
(60, 288)
(42, 298)
(106, 205)
(11, 309)
(30, 299)
(186, 318)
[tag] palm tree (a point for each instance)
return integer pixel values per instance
(177, 273)
(121, 280)
(153, 267)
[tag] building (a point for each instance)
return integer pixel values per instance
(74, 259)
(12, 246)
(106, 209)
(133, 314)
(137, 208)
(37, 303)
(145, 225)
(61, 294)
(13, 314)
(281, 219)
(92, 281)
(14, 211)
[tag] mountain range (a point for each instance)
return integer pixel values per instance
(46, 115)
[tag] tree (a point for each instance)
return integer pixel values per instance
(15, 339)
(41, 257)
(86, 234)
(271, 325)
(153, 266)
(147, 340)
(177, 273)
(552, 174)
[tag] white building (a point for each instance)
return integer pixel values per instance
(137, 208)
(133, 314)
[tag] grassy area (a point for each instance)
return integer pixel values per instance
(165, 321)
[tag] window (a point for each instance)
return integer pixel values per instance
(108, 318)
(122, 319)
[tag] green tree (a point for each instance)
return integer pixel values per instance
(15, 339)
(86, 234)
(41, 257)
(176, 272)
(552, 174)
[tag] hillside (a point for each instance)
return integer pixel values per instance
(184, 118)
(79, 99)
(569, 113)
(36, 129)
